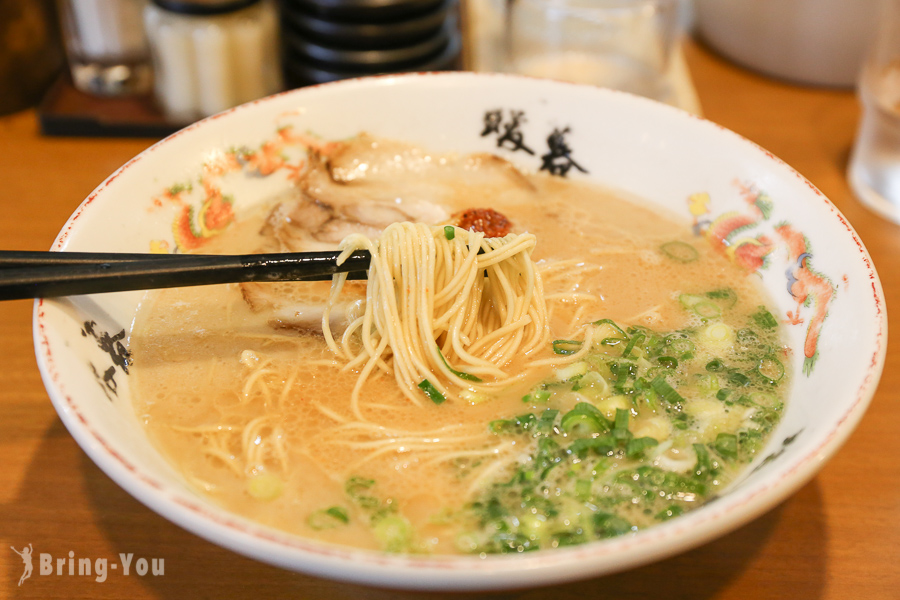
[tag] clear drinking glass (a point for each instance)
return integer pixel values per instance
(106, 46)
(874, 170)
(621, 44)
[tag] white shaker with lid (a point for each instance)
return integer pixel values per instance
(211, 55)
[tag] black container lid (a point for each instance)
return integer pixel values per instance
(299, 73)
(203, 7)
(363, 10)
(327, 56)
(369, 36)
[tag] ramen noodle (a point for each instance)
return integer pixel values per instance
(593, 371)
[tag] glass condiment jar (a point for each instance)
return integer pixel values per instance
(211, 55)
(106, 47)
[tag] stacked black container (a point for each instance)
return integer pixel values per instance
(327, 40)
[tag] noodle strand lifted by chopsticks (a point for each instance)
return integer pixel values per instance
(452, 312)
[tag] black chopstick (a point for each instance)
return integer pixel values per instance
(28, 258)
(46, 274)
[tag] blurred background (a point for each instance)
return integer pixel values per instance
(146, 68)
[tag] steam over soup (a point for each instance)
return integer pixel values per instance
(609, 370)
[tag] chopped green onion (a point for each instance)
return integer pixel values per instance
(607, 525)
(653, 342)
(449, 232)
(726, 295)
(565, 348)
(764, 318)
(751, 440)
(432, 392)
(723, 394)
(623, 371)
(707, 310)
(748, 337)
(338, 513)
(548, 455)
(679, 345)
(571, 372)
(665, 391)
(738, 379)
(601, 445)
(680, 251)
(394, 532)
(460, 374)
(636, 446)
(265, 486)
(584, 418)
(702, 307)
(707, 384)
(526, 421)
(612, 324)
(583, 489)
(501, 426)
(680, 421)
(580, 424)
(715, 365)
(638, 339)
(771, 369)
(672, 511)
(328, 518)
(718, 334)
(704, 464)
(516, 424)
(547, 419)
(667, 362)
(620, 428)
(593, 385)
(762, 399)
(537, 396)
(726, 444)
(355, 485)
(689, 300)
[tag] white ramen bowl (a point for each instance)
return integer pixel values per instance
(668, 157)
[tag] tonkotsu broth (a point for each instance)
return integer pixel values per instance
(215, 383)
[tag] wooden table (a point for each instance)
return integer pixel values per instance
(837, 538)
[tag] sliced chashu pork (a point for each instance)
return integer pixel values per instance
(362, 186)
